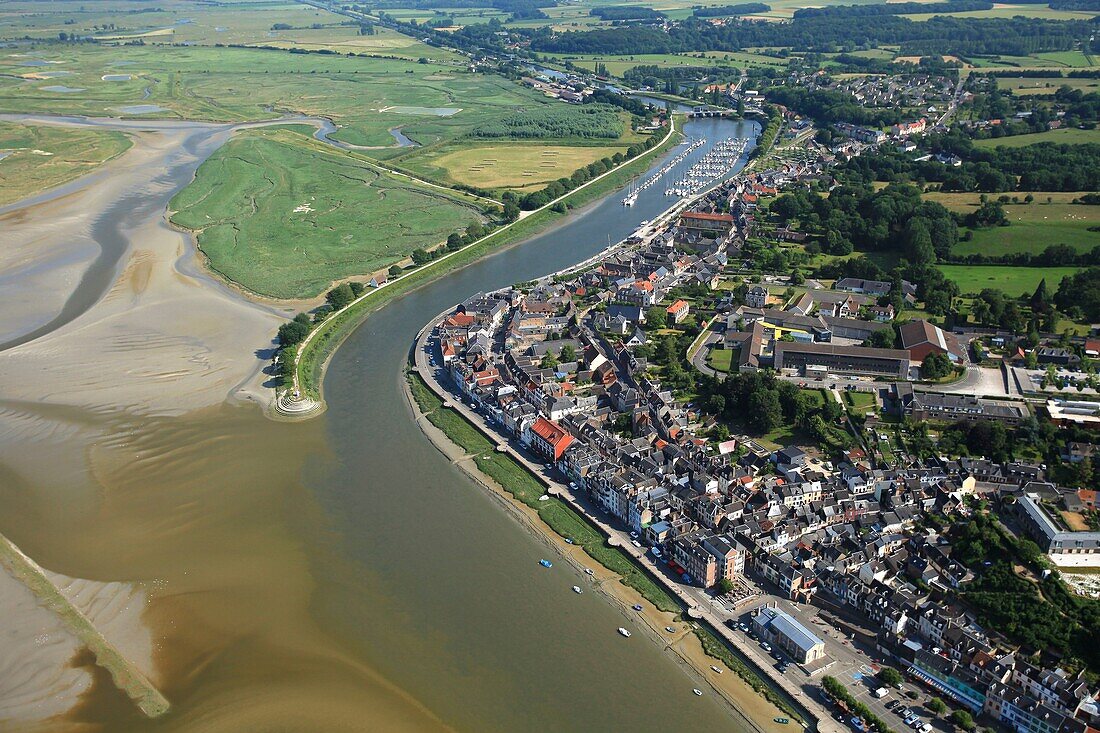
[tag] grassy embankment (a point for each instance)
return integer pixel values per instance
(284, 216)
(42, 157)
(562, 519)
(328, 335)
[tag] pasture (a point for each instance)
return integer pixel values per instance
(34, 158)
(284, 216)
(1024, 86)
(1013, 281)
(1067, 135)
(518, 166)
(1034, 226)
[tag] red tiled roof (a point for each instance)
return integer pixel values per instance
(550, 432)
(678, 306)
(459, 319)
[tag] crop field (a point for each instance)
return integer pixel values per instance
(34, 158)
(1034, 226)
(1014, 281)
(283, 216)
(516, 166)
(1068, 135)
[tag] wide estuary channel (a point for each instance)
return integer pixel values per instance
(342, 573)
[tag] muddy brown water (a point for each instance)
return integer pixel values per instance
(340, 574)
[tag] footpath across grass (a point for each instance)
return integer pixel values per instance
(526, 488)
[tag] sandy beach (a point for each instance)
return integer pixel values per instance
(152, 332)
(160, 337)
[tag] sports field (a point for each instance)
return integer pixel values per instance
(1068, 135)
(34, 158)
(283, 216)
(508, 165)
(1034, 227)
(1013, 281)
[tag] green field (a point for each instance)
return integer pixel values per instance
(1014, 281)
(180, 22)
(365, 97)
(284, 216)
(34, 158)
(720, 360)
(1068, 135)
(1025, 86)
(1034, 226)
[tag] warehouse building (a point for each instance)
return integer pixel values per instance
(842, 359)
(783, 631)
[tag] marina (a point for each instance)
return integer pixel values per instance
(655, 178)
(721, 160)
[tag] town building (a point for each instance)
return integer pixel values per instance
(782, 630)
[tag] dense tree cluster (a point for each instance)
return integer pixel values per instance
(1039, 167)
(1044, 616)
(762, 403)
(1080, 293)
(902, 8)
(985, 438)
(829, 106)
(854, 217)
(938, 35)
(936, 366)
(589, 121)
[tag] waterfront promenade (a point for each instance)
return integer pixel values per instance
(698, 605)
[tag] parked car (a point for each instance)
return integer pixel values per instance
(766, 646)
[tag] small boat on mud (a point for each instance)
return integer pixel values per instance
(546, 563)
(624, 632)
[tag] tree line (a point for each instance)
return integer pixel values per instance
(828, 33)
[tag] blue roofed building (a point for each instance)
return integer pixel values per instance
(781, 630)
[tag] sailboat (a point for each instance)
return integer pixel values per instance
(633, 195)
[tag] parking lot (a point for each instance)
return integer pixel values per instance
(852, 665)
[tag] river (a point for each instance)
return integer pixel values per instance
(342, 574)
